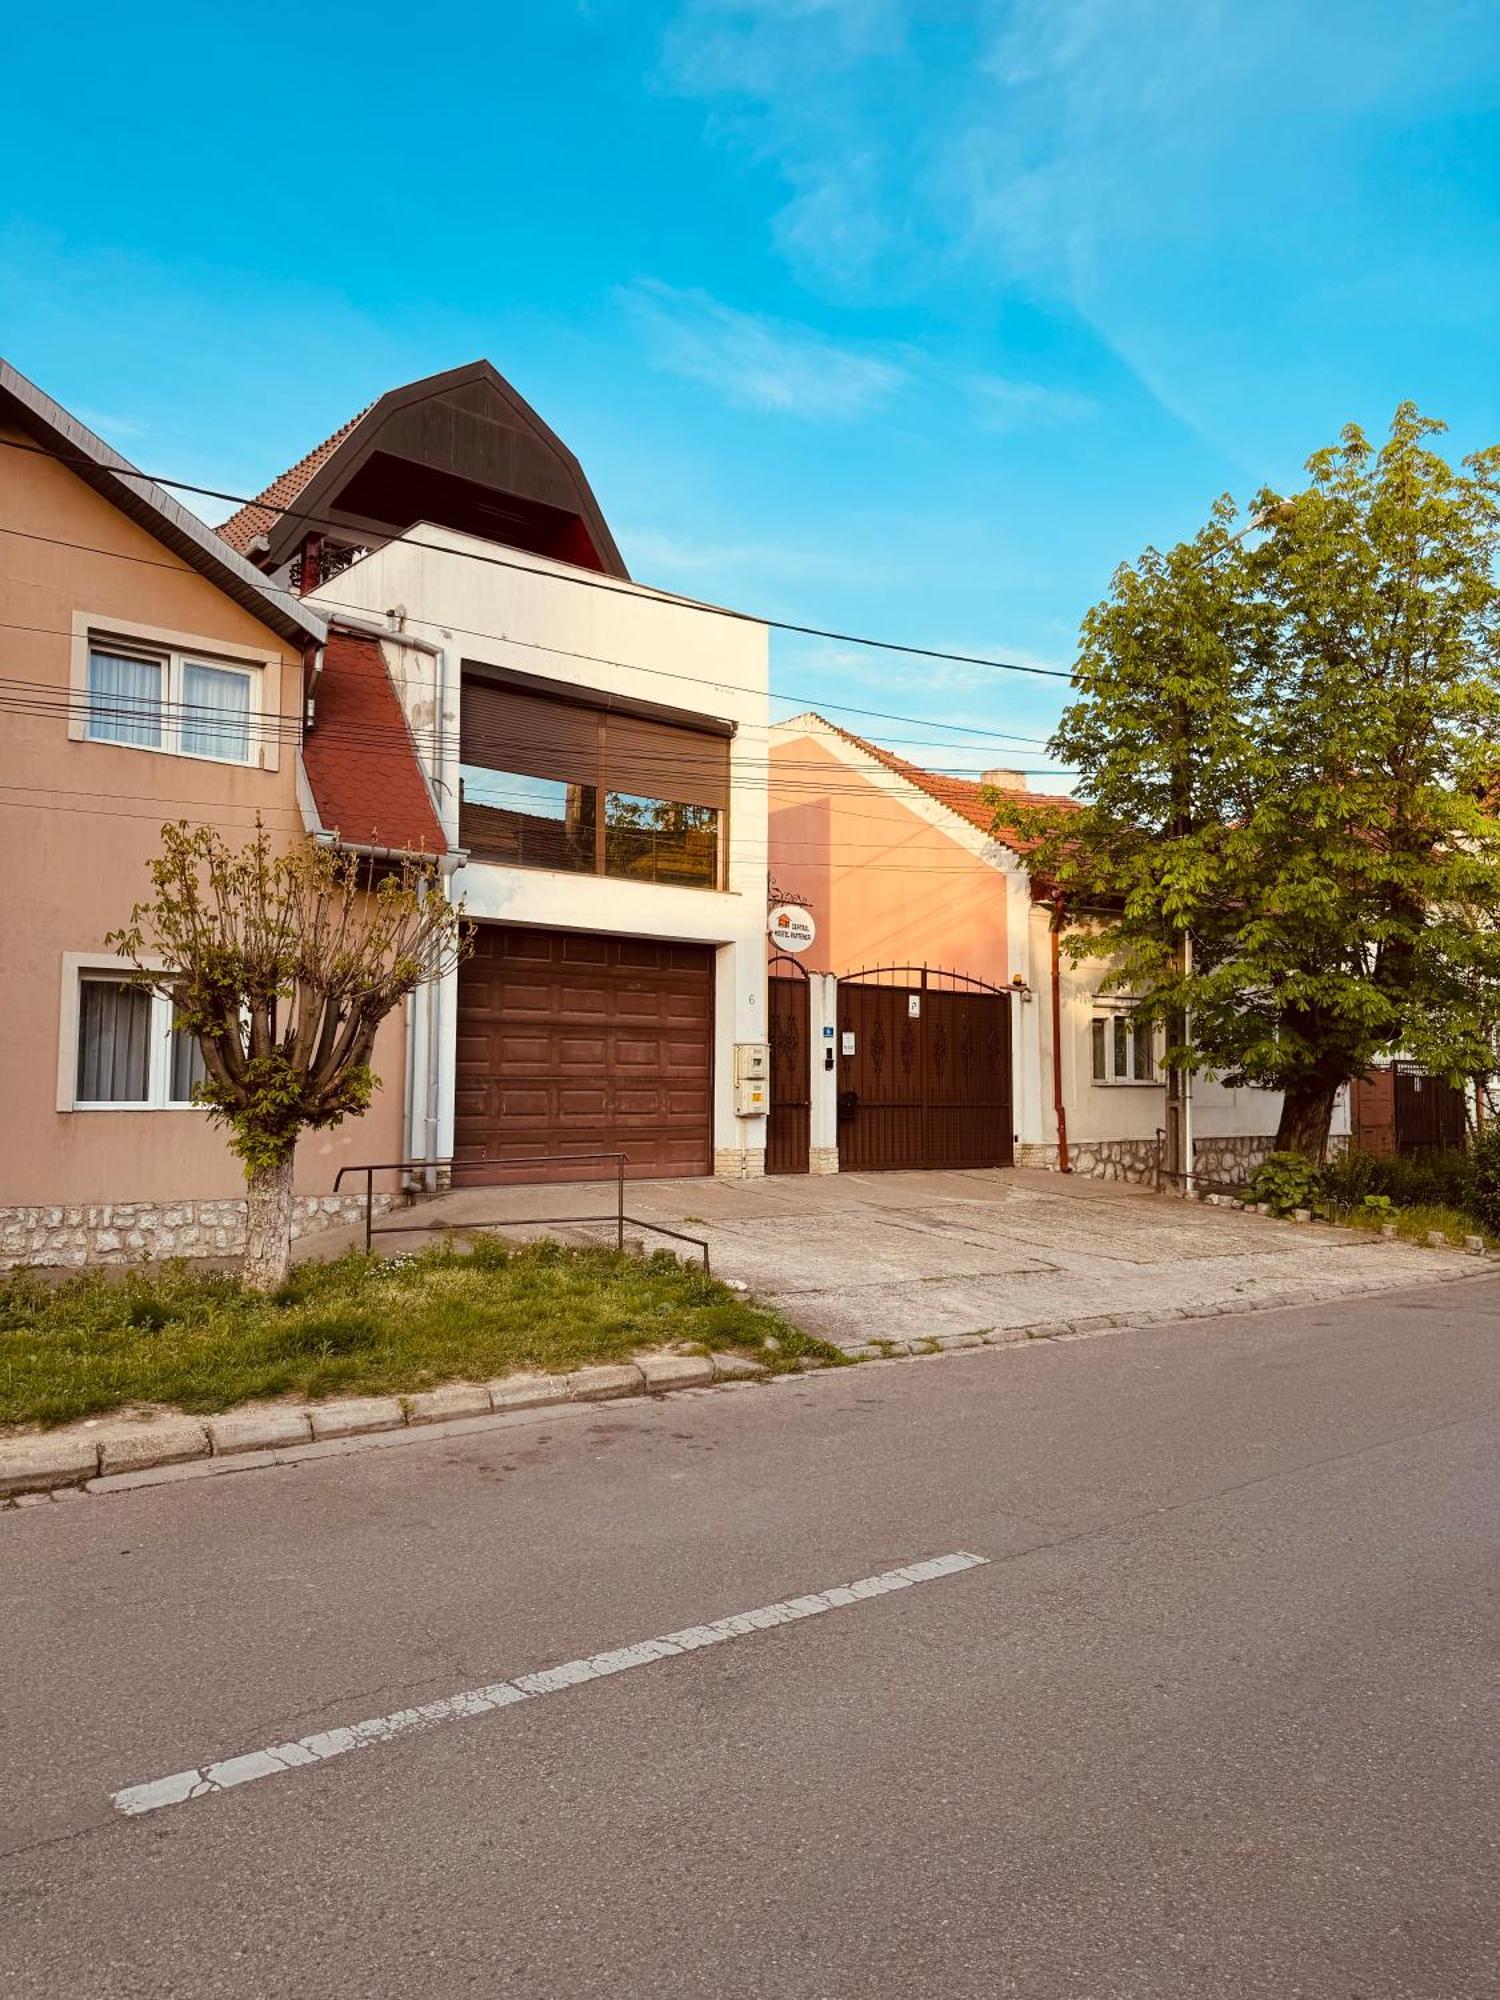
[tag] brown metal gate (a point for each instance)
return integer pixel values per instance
(1430, 1114)
(789, 1125)
(924, 1071)
(1399, 1109)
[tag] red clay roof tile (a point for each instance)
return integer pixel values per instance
(359, 756)
(964, 796)
(260, 515)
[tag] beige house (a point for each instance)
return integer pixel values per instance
(150, 673)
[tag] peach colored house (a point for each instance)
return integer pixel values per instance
(903, 868)
(150, 673)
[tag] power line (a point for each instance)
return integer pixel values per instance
(583, 578)
(531, 645)
(748, 856)
(48, 697)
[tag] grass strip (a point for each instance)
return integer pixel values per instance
(169, 1335)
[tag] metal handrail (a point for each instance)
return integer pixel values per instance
(617, 1215)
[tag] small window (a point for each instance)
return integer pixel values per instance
(528, 822)
(187, 1068)
(165, 701)
(215, 712)
(114, 1042)
(658, 840)
(132, 1049)
(1122, 1050)
(125, 699)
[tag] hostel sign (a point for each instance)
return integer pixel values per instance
(790, 927)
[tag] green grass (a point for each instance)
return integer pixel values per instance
(1413, 1224)
(170, 1335)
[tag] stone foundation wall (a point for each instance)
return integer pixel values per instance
(823, 1159)
(1229, 1162)
(128, 1232)
(739, 1163)
(1132, 1160)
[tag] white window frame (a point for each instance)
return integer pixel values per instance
(77, 967)
(1109, 1018)
(176, 652)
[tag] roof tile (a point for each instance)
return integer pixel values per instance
(260, 515)
(964, 796)
(359, 756)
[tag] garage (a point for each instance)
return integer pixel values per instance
(574, 1043)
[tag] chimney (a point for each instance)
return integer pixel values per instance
(1004, 781)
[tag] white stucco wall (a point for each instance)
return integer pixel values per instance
(1135, 1111)
(551, 620)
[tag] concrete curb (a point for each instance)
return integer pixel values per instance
(120, 1456)
(108, 1455)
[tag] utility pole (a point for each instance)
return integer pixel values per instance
(1180, 1163)
(1179, 1026)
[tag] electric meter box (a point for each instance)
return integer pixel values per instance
(752, 1079)
(751, 1098)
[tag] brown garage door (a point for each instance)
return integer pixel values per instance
(569, 1043)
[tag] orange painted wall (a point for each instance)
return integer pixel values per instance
(884, 886)
(78, 824)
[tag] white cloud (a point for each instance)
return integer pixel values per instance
(1002, 404)
(759, 363)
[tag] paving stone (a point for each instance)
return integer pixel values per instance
(354, 1415)
(737, 1367)
(32, 1500)
(162, 1441)
(598, 1385)
(456, 1399)
(36, 1464)
(674, 1371)
(257, 1430)
(527, 1392)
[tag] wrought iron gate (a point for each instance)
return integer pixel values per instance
(924, 1070)
(789, 1125)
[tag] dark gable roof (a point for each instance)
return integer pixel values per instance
(467, 432)
(90, 459)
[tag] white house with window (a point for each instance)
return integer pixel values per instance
(596, 750)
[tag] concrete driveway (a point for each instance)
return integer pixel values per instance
(906, 1257)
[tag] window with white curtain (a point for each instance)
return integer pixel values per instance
(132, 1049)
(1122, 1051)
(151, 700)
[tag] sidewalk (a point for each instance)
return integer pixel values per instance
(902, 1257)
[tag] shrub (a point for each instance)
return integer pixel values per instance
(1285, 1181)
(1440, 1180)
(1484, 1179)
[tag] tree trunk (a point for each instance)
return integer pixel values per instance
(1306, 1113)
(268, 1225)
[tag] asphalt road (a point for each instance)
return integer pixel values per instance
(1217, 1717)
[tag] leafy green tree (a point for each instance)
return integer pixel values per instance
(1288, 758)
(282, 966)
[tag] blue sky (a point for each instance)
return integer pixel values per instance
(912, 319)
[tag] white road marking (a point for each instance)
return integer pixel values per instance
(279, 1757)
